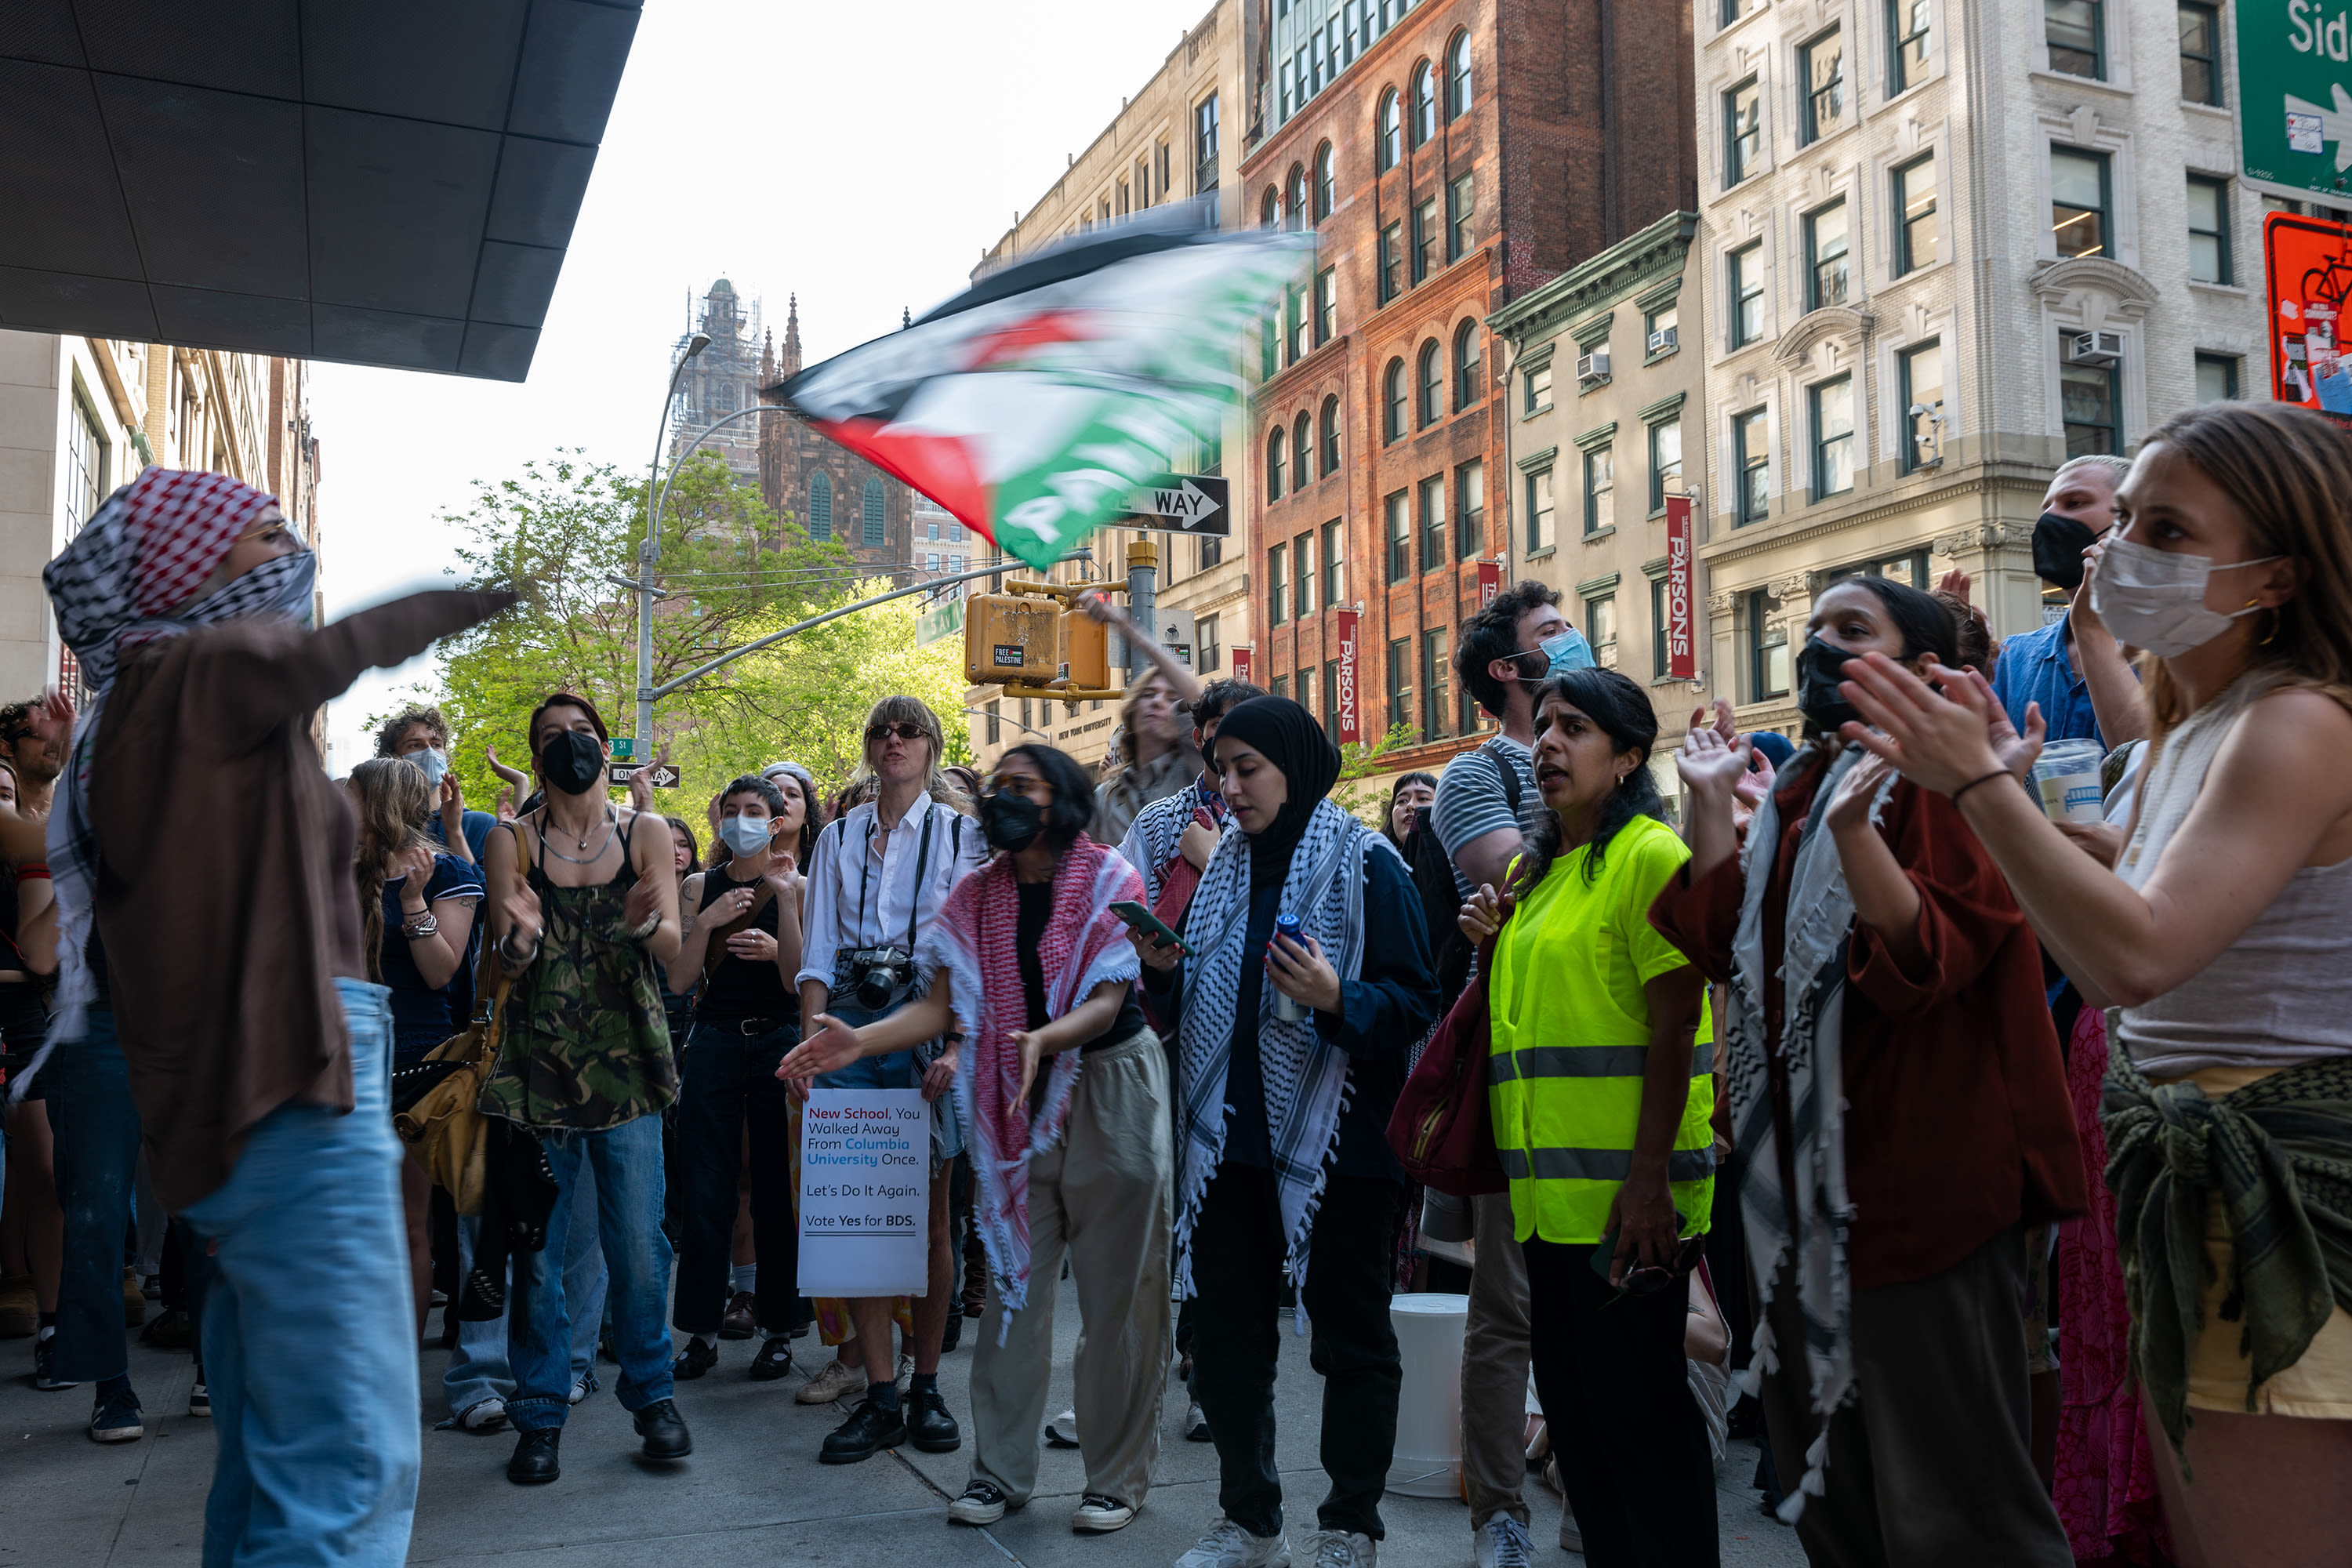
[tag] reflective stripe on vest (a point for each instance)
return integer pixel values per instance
(1587, 1061)
(1564, 1119)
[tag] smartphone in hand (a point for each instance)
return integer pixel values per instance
(1149, 924)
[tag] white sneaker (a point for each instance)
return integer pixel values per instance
(837, 1378)
(1196, 1423)
(582, 1386)
(906, 1376)
(1343, 1549)
(1061, 1431)
(483, 1415)
(1228, 1545)
(981, 1504)
(1504, 1543)
(1572, 1534)
(1099, 1515)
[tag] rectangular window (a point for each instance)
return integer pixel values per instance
(1287, 79)
(1751, 455)
(1331, 699)
(1907, 28)
(1601, 620)
(1026, 716)
(85, 463)
(1743, 131)
(1433, 680)
(1461, 207)
(1302, 552)
(1540, 536)
(1282, 686)
(1277, 579)
(1747, 293)
(2078, 201)
(1425, 239)
(1335, 562)
(1917, 230)
(1401, 683)
(1327, 306)
(2200, 54)
(1470, 508)
(1166, 183)
(1826, 234)
(2091, 400)
(1599, 490)
(2076, 33)
(1734, 9)
(1768, 650)
(1666, 462)
(1397, 516)
(1922, 390)
(1910, 567)
(2208, 230)
(1204, 642)
(996, 722)
(1294, 316)
(1392, 263)
(1832, 405)
(1432, 523)
(1204, 145)
(2217, 378)
(1212, 551)
(1661, 332)
(1821, 64)
(1539, 388)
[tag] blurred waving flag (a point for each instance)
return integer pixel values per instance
(1033, 404)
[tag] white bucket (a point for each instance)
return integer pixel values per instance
(1428, 1457)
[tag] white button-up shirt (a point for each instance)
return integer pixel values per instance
(862, 885)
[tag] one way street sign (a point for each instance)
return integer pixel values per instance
(660, 775)
(1183, 503)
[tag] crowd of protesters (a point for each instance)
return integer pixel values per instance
(1978, 1148)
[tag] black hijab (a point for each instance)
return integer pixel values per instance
(1288, 736)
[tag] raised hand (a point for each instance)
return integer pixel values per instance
(1710, 763)
(413, 867)
(1850, 806)
(783, 877)
(1939, 740)
(515, 778)
(1956, 582)
(503, 808)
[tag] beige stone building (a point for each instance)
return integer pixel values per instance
(79, 417)
(1180, 136)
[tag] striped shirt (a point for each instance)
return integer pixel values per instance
(1471, 800)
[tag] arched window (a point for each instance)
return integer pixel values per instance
(1302, 444)
(1392, 394)
(1331, 434)
(1326, 193)
(820, 513)
(1269, 213)
(1469, 385)
(1424, 103)
(1388, 141)
(1294, 215)
(876, 533)
(1275, 446)
(1457, 77)
(1433, 382)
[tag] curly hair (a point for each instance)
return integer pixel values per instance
(387, 735)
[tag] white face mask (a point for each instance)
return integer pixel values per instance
(2155, 600)
(436, 764)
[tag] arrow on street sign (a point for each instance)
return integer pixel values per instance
(661, 775)
(1183, 503)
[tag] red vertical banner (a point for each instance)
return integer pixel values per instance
(1241, 662)
(1490, 582)
(1350, 732)
(1681, 650)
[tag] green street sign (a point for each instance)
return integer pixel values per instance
(944, 619)
(624, 747)
(2295, 80)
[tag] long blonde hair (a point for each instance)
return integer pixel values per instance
(2290, 472)
(393, 801)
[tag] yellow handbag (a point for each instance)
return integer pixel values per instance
(452, 1133)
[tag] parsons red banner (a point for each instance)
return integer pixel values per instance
(1490, 582)
(1682, 652)
(1241, 662)
(1349, 732)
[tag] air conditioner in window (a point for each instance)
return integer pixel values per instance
(1592, 366)
(1664, 338)
(2102, 349)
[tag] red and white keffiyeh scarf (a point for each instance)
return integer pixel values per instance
(976, 940)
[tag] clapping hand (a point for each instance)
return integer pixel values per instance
(1939, 740)
(413, 869)
(784, 878)
(1850, 806)
(1708, 761)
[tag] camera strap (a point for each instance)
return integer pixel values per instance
(915, 893)
(922, 864)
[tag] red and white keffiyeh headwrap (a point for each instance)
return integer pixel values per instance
(130, 577)
(976, 940)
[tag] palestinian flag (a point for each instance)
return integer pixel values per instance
(1035, 403)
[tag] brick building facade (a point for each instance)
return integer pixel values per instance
(1451, 156)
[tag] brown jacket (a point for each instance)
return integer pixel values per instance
(224, 893)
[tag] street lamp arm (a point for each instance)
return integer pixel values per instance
(983, 713)
(653, 517)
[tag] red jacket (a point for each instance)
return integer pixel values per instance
(1958, 1122)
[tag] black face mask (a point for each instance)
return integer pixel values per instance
(2058, 546)
(1012, 821)
(572, 762)
(1820, 667)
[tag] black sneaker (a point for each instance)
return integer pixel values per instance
(773, 1360)
(870, 1429)
(116, 1420)
(45, 1359)
(664, 1430)
(929, 1426)
(534, 1456)
(695, 1360)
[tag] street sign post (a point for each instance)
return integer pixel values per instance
(662, 775)
(2294, 96)
(1184, 503)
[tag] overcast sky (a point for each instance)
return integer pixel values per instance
(861, 157)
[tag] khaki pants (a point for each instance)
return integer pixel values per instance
(1495, 1367)
(1103, 1193)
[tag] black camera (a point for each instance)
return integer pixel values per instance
(879, 976)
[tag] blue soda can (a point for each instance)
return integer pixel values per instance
(1289, 1009)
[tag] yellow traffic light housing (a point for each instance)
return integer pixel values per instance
(1032, 642)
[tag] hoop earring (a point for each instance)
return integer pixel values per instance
(2277, 620)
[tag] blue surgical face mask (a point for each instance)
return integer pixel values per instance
(435, 762)
(1562, 652)
(746, 835)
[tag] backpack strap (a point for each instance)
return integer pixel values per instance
(1510, 777)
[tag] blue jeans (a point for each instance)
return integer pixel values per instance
(897, 1071)
(477, 1367)
(309, 1333)
(95, 1125)
(627, 1192)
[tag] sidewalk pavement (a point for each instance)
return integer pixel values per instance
(753, 1493)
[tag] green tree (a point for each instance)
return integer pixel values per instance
(1361, 761)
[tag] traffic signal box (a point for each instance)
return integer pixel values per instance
(1032, 643)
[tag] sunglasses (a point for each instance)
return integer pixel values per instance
(905, 732)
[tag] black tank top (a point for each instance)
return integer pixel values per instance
(741, 987)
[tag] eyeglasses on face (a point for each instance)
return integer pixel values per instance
(1027, 786)
(903, 729)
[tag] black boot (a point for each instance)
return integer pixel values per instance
(664, 1430)
(534, 1456)
(871, 1428)
(929, 1424)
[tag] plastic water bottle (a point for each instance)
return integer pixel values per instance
(1289, 1009)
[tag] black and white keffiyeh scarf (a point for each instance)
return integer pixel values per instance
(1807, 1228)
(1306, 1078)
